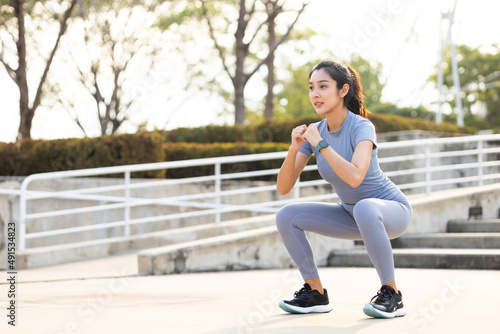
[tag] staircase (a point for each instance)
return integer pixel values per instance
(467, 244)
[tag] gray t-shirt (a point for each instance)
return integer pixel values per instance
(375, 184)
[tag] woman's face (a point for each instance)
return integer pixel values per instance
(323, 92)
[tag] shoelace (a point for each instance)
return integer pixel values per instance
(302, 293)
(383, 294)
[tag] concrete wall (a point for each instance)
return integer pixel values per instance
(431, 213)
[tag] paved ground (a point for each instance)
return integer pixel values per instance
(106, 296)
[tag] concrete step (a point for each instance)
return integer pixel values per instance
(474, 226)
(448, 240)
(65, 253)
(442, 258)
(255, 249)
(260, 248)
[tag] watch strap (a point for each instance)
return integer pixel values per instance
(322, 144)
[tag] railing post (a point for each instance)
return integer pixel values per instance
(296, 192)
(127, 203)
(428, 173)
(217, 191)
(480, 162)
(22, 219)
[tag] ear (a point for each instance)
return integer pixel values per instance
(344, 90)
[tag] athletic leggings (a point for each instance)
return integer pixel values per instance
(374, 221)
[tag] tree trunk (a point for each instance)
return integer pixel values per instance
(240, 79)
(239, 102)
(271, 39)
(21, 76)
(26, 111)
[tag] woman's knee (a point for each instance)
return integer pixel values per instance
(284, 216)
(366, 210)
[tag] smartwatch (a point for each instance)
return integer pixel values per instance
(322, 144)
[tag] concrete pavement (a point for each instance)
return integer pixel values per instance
(107, 296)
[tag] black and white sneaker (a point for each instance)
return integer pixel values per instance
(307, 301)
(386, 304)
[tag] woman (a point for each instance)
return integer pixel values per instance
(372, 208)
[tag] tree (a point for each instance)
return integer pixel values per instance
(273, 9)
(14, 15)
(293, 99)
(114, 34)
(248, 27)
(479, 80)
(370, 74)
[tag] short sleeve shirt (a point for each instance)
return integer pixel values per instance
(375, 184)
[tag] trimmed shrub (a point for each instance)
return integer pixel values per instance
(208, 134)
(278, 131)
(39, 156)
(185, 151)
(389, 123)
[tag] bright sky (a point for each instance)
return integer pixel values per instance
(401, 34)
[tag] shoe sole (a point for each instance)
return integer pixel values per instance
(304, 310)
(376, 313)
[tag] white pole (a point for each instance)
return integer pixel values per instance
(127, 202)
(217, 191)
(454, 67)
(428, 173)
(480, 162)
(22, 219)
(456, 82)
(439, 115)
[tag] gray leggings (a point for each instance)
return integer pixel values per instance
(374, 221)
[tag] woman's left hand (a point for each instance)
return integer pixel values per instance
(312, 135)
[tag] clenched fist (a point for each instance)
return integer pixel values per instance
(297, 138)
(312, 135)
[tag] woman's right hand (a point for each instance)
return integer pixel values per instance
(297, 139)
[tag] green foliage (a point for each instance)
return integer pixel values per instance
(39, 156)
(279, 131)
(370, 74)
(178, 12)
(410, 112)
(479, 80)
(293, 100)
(208, 134)
(389, 123)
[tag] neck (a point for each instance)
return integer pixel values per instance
(336, 119)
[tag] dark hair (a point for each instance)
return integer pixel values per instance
(346, 74)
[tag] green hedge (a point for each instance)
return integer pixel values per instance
(39, 156)
(185, 151)
(389, 123)
(278, 131)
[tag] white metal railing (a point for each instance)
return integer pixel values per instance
(424, 173)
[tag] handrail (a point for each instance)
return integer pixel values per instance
(480, 163)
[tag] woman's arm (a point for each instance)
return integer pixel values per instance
(353, 172)
(294, 163)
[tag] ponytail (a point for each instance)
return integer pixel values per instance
(355, 100)
(346, 74)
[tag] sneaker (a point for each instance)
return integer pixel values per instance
(386, 304)
(307, 301)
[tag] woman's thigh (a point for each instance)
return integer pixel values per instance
(331, 220)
